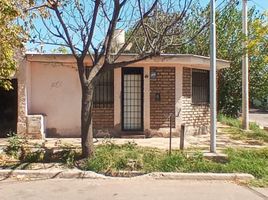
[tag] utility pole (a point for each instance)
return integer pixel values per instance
(213, 69)
(245, 95)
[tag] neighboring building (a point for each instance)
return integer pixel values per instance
(133, 100)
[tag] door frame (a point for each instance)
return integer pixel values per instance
(132, 70)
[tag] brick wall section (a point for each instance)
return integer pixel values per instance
(103, 118)
(195, 116)
(165, 85)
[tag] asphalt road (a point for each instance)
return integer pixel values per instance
(260, 118)
(127, 189)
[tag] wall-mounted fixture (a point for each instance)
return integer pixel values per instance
(153, 74)
(157, 96)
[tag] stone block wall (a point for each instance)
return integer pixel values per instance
(195, 116)
(162, 97)
(22, 100)
(35, 126)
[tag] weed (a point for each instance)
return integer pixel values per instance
(111, 159)
(229, 121)
(68, 155)
(130, 145)
(15, 147)
(237, 133)
(36, 156)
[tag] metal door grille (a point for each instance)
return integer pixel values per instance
(132, 99)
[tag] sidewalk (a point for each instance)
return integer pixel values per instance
(201, 142)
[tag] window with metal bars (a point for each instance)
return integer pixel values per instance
(104, 90)
(200, 86)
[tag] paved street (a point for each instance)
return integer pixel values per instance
(129, 189)
(260, 118)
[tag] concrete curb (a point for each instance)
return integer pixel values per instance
(71, 174)
(49, 174)
(201, 176)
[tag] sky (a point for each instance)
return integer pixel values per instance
(261, 5)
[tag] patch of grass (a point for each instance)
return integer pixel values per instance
(229, 121)
(111, 158)
(252, 161)
(235, 129)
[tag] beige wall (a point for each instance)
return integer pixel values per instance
(55, 92)
(53, 89)
(49, 85)
(178, 97)
(117, 98)
(146, 96)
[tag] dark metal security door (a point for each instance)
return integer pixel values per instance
(132, 99)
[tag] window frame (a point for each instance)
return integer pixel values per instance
(199, 100)
(104, 88)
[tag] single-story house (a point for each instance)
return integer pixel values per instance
(139, 99)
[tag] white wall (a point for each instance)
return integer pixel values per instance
(56, 93)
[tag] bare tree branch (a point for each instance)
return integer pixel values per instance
(92, 28)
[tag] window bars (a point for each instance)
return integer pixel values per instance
(200, 86)
(104, 90)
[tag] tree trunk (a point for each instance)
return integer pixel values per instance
(86, 121)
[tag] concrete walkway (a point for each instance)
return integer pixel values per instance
(201, 142)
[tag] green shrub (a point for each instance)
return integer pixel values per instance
(15, 145)
(68, 154)
(36, 156)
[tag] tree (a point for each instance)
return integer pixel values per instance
(229, 40)
(12, 37)
(258, 50)
(88, 29)
(230, 85)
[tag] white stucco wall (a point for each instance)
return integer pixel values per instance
(55, 92)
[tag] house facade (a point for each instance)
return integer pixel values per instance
(144, 98)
